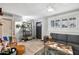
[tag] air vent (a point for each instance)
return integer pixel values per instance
(6, 19)
(7, 14)
(14, 16)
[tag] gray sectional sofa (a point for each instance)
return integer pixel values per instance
(68, 39)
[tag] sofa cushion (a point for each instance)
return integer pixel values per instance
(73, 39)
(61, 37)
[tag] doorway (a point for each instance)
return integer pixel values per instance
(38, 30)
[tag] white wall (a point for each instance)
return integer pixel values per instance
(33, 28)
(64, 30)
(44, 27)
(47, 29)
(18, 33)
(44, 22)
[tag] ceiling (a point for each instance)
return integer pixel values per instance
(37, 9)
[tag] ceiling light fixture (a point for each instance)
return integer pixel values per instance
(50, 9)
